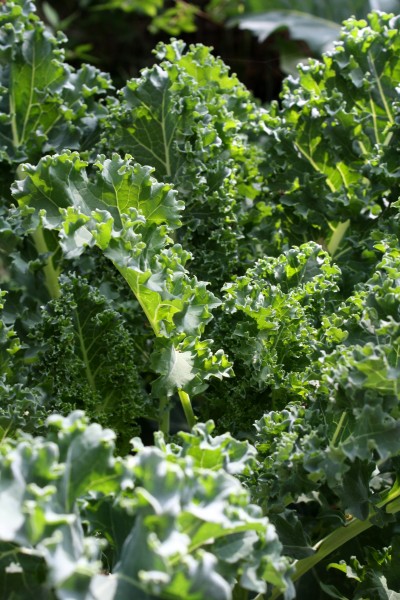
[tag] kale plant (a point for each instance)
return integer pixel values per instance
(173, 253)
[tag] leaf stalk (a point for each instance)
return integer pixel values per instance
(340, 536)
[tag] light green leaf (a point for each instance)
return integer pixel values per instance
(124, 211)
(318, 33)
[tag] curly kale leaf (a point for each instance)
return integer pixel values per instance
(331, 157)
(45, 105)
(331, 457)
(197, 531)
(363, 370)
(21, 404)
(272, 319)
(357, 387)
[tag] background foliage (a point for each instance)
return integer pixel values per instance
(173, 251)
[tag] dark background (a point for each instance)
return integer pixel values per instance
(121, 44)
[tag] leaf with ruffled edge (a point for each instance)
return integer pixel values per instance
(119, 207)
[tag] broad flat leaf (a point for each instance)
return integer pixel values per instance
(318, 33)
(88, 358)
(177, 370)
(196, 528)
(217, 452)
(292, 535)
(374, 430)
(87, 458)
(191, 523)
(187, 365)
(155, 123)
(376, 586)
(355, 492)
(332, 592)
(30, 472)
(334, 12)
(34, 76)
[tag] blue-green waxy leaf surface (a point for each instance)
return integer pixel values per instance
(194, 525)
(292, 211)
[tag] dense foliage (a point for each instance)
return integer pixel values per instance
(176, 257)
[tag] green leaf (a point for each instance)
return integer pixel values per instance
(87, 456)
(196, 528)
(286, 298)
(376, 586)
(187, 365)
(149, 131)
(323, 186)
(206, 540)
(217, 452)
(148, 7)
(126, 213)
(30, 472)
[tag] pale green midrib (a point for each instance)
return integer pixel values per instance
(89, 374)
(187, 408)
(136, 290)
(105, 402)
(327, 546)
(337, 236)
(166, 143)
(183, 396)
(160, 160)
(13, 115)
(373, 113)
(160, 122)
(66, 479)
(153, 324)
(339, 427)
